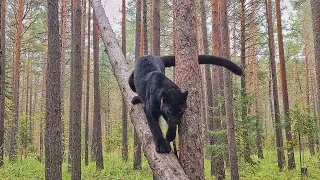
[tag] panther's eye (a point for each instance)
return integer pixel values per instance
(169, 111)
(180, 112)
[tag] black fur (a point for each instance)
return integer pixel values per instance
(162, 97)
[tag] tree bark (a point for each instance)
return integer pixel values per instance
(285, 97)
(27, 86)
(233, 158)
(137, 143)
(279, 140)
(253, 30)
(306, 52)
(124, 149)
(97, 108)
(86, 141)
(187, 76)
(2, 76)
(75, 91)
(217, 162)
(164, 166)
(63, 27)
(244, 105)
(315, 4)
(155, 28)
(16, 83)
(144, 29)
(30, 105)
(53, 146)
(43, 96)
(83, 26)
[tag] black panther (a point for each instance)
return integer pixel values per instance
(162, 97)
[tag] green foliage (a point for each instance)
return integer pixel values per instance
(24, 138)
(114, 138)
(303, 122)
(115, 168)
(267, 168)
(247, 126)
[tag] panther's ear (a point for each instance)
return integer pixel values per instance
(185, 95)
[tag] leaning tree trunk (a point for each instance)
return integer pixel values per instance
(187, 76)
(233, 158)
(2, 76)
(285, 97)
(53, 146)
(315, 4)
(164, 166)
(279, 140)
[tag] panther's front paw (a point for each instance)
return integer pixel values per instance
(163, 146)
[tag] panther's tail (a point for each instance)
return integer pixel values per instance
(169, 61)
(131, 82)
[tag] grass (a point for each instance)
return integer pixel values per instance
(268, 168)
(116, 169)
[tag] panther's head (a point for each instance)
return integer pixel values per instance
(173, 103)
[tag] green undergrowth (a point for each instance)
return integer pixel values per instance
(268, 168)
(117, 169)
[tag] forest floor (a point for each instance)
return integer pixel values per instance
(116, 169)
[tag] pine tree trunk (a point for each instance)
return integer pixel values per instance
(155, 28)
(35, 103)
(233, 158)
(75, 91)
(97, 108)
(63, 26)
(285, 98)
(83, 26)
(27, 86)
(144, 29)
(16, 83)
(217, 162)
(124, 149)
(187, 76)
(244, 105)
(53, 146)
(253, 30)
(43, 96)
(279, 140)
(306, 52)
(30, 107)
(315, 4)
(86, 137)
(137, 144)
(2, 76)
